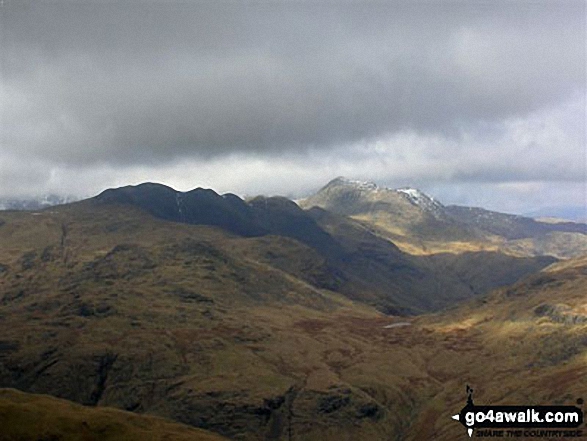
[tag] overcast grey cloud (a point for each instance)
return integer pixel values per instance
(436, 94)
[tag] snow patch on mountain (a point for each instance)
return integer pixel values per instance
(420, 199)
(359, 185)
(416, 197)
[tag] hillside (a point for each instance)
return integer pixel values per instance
(40, 417)
(286, 363)
(272, 336)
(344, 255)
(419, 224)
(522, 344)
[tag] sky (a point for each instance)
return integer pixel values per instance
(475, 102)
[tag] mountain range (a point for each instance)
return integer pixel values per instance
(351, 257)
(358, 313)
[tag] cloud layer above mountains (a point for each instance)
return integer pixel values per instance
(229, 94)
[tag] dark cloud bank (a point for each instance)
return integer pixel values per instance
(104, 89)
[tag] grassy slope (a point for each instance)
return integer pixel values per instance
(102, 308)
(188, 323)
(40, 417)
(561, 245)
(525, 344)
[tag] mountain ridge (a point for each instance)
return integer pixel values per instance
(371, 268)
(419, 223)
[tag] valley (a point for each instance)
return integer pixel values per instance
(267, 321)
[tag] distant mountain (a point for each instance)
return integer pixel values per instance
(417, 222)
(347, 257)
(30, 204)
(199, 206)
(510, 226)
(568, 213)
(350, 197)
